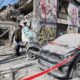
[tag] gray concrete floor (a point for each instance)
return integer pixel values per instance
(19, 65)
(9, 63)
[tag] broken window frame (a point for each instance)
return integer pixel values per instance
(62, 5)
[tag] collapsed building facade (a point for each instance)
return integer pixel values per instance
(51, 18)
(11, 15)
(59, 16)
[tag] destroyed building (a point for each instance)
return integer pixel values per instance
(56, 18)
(12, 14)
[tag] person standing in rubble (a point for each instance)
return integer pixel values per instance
(27, 33)
(25, 29)
(18, 38)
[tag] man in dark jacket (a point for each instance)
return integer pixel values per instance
(18, 38)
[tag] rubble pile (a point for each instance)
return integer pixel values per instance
(12, 67)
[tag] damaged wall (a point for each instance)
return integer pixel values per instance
(7, 29)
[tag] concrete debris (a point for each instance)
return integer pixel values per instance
(17, 68)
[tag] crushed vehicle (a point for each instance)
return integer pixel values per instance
(56, 51)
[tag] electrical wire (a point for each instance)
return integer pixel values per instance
(2, 2)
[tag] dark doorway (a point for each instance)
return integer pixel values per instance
(5, 36)
(61, 29)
